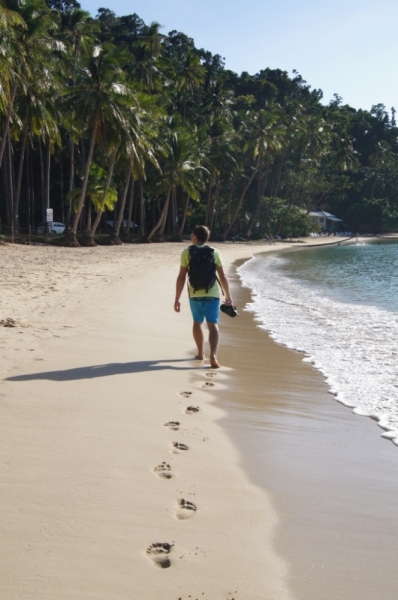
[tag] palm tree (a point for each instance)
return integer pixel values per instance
(27, 47)
(137, 149)
(218, 151)
(190, 77)
(97, 102)
(179, 169)
(99, 191)
(10, 23)
(79, 31)
(379, 159)
(39, 119)
(219, 99)
(151, 41)
(256, 144)
(29, 67)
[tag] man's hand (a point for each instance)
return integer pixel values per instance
(225, 285)
(182, 275)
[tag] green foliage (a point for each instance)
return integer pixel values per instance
(95, 191)
(239, 152)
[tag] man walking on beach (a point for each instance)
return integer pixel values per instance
(204, 302)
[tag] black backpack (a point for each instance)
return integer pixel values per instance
(201, 268)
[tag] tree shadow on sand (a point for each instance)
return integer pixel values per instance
(107, 370)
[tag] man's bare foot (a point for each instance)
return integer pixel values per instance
(214, 362)
(200, 356)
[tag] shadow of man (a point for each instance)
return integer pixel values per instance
(107, 370)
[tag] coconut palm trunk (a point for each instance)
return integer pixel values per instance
(142, 209)
(70, 238)
(19, 176)
(89, 235)
(262, 185)
(7, 121)
(130, 209)
(10, 188)
(47, 178)
(275, 190)
(209, 201)
(215, 203)
(240, 202)
(116, 232)
(162, 218)
(166, 216)
(184, 217)
(28, 196)
(71, 180)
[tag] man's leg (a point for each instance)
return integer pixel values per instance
(199, 340)
(214, 338)
(197, 331)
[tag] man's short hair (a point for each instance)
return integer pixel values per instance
(202, 233)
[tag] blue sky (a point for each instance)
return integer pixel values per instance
(349, 47)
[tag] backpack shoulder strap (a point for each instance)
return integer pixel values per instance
(221, 287)
(190, 250)
(217, 279)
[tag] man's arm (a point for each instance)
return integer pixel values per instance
(225, 285)
(180, 283)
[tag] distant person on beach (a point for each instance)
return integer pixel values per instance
(203, 265)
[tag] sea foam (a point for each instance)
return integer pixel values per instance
(354, 346)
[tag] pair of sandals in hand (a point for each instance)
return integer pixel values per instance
(229, 309)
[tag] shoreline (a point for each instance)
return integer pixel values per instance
(328, 472)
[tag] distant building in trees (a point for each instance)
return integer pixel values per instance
(325, 220)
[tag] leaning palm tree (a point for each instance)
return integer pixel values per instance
(137, 149)
(99, 191)
(97, 102)
(256, 144)
(179, 169)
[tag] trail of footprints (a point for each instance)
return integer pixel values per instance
(159, 551)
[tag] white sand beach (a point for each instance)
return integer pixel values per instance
(96, 490)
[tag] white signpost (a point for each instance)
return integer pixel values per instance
(50, 218)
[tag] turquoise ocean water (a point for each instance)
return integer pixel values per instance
(339, 306)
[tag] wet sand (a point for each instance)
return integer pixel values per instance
(331, 477)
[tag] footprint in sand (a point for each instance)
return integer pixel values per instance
(173, 425)
(163, 470)
(208, 384)
(210, 374)
(185, 509)
(185, 394)
(190, 410)
(178, 447)
(158, 553)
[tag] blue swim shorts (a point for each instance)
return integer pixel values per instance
(205, 308)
